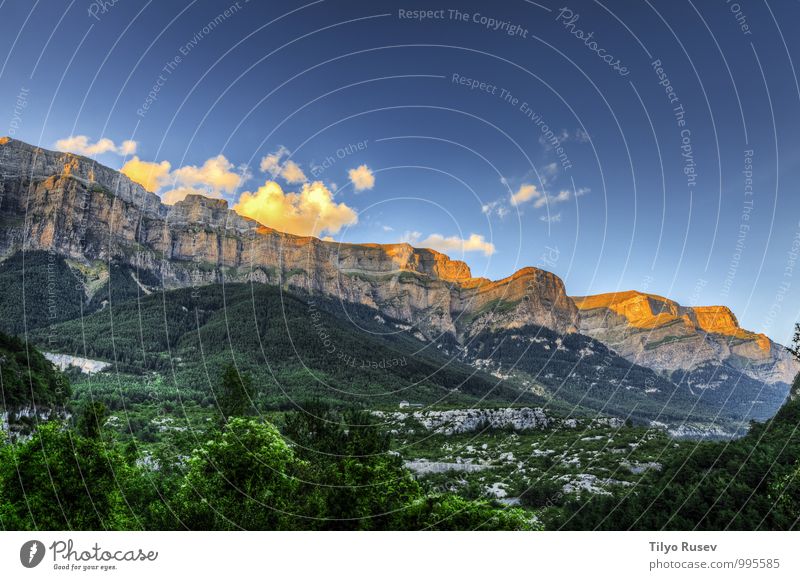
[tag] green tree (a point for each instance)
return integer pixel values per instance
(245, 478)
(785, 491)
(795, 348)
(91, 420)
(60, 480)
(235, 394)
(451, 512)
(362, 482)
(27, 378)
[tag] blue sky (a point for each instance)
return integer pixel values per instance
(449, 114)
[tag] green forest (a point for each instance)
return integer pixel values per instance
(325, 469)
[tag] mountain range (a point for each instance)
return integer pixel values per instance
(629, 354)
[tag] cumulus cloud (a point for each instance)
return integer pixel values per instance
(150, 175)
(362, 178)
(274, 165)
(526, 192)
(452, 244)
(213, 178)
(81, 145)
(217, 174)
(309, 212)
(292, 173)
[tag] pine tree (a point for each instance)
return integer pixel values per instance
(235, 394)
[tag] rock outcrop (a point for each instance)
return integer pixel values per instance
(458, 421)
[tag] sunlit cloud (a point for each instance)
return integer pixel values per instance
(271, 163)
(81, 145)
(274, 165)
(526, 192)
(217, 174)
(215, 177)
(292, 173)
(152, 176)
(309, 212)
(362, 178)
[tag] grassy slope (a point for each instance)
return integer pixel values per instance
(295, 349)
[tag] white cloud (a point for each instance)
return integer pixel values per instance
(550, 168)
(497, 207)
(362, 178)
(560, 197)
(387, 228)
(582, 136)
(553, 218)
(309, 212)
(81, 145)
(452, 244)
(564, 136)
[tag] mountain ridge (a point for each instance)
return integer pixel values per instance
(199, 240)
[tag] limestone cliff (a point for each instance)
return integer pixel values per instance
(661, 334)
(78, 208)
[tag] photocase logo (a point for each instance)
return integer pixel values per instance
(31, 553)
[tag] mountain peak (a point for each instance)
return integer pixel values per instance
(662, 334)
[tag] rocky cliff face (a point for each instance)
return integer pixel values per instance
(75, 207)
(661, 334)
